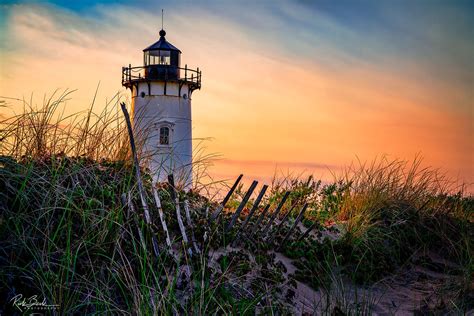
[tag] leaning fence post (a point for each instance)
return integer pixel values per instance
(274, 215)
(191, 226)
(175, 198)
(127, 202)
(252, 211)
(137, 166)
(280, 225)
(300, 215)
(286, 216)
(260, 218)
(226, 199)
(162, 217)
(241, 206)
(306, 233)
(138, 175)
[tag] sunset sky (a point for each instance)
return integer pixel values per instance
(287, 85)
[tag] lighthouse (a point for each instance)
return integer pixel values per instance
(161, 110)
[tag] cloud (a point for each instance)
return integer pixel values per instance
(281, 82)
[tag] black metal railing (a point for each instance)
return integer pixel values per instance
(191, 77)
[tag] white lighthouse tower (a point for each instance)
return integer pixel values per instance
(161, 109)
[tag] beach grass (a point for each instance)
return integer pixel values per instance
(67, 233)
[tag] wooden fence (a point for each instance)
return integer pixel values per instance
(262, 223)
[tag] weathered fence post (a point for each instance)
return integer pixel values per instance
(138, 175)
(300, 215)
(280, 225)
(191, 226)
(175, 198)
(162, 217)
(306, 233)
(127, 202)
(241, 206)
(226, 199)
(275, 214)
(260, 218)
(252, 211)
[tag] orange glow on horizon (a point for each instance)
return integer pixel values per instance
(260, 108)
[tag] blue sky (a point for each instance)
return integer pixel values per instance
(363, 78)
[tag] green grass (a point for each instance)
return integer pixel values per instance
(65, 234)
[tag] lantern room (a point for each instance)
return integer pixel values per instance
(162, 63)
(162, 60)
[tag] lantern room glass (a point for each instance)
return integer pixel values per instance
(157, 57)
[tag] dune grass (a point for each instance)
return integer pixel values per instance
(389, 211)
(67, 235)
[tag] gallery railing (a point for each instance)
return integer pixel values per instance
(131, 75)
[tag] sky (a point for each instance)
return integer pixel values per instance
(288, 86)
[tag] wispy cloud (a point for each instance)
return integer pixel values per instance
(299, 81)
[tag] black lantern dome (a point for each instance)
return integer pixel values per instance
(162, 44)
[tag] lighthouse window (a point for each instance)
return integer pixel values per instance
(164, 136)
(164, 58)
(157, 57)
